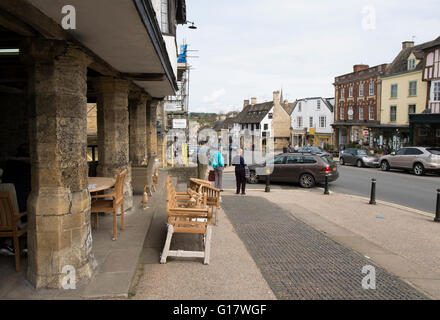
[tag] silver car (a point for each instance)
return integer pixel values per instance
(358, 157)
(417, 159)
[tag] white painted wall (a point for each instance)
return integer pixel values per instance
(309, 108)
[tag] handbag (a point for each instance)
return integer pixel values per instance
(211, 176)
(247, 172)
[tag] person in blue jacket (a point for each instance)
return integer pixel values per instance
(218, 163)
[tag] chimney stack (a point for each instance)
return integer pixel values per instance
(245, 104)
(253, 101)
(360, 67)
(407, 44)
(276, 96)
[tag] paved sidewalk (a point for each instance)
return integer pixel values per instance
(300, 262)
(404, 241)
(231, 274)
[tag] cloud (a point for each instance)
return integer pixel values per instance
(250, 48)
(213, 97)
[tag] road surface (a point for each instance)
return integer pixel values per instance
(394, 186)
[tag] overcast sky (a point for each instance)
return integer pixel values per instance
(250, 48)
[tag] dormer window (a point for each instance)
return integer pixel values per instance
(411, 64)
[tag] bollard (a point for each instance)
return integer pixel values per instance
(437, 208)
(326, 185)
(373, 191)
(267, 189)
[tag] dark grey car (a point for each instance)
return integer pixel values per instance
(359, 158)
(305, 169)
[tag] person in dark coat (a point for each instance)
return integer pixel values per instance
(240, 172)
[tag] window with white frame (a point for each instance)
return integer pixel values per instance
(299, 122)
(394, 91)
(393, 113)
(435, 94)
(299, 107)
(413, 88)
(361, 113)
(310, 122)
(318, 104)
(322, 122)
(371, 112)
(341, 112)
(350, 92)
(361, 90)
(411, 109)
(371, 89)
(411, 64)
(165, 25)
(342, 93)
(350, 113)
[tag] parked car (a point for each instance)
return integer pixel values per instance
(307, 169)
(315, 150)
(417, 159)
(358, 157)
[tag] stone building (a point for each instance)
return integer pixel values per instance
(115, 57)
(403, 93)
(357, 104)
(267, 119)
(425, 127)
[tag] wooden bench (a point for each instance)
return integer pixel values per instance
(213, 194)
(182, 219)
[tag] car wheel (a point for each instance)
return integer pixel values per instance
(359, 164)
(419, 169)
(341, 161)
(385, 166)
(307, 181)
(253, 178)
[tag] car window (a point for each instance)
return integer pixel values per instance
(401, 152)
(279, 160)
(293, 159)
(435, 151)
(315, 149)
(362, 152)
(328, 159)
(309, 159)
(412, 152)
(275, 160)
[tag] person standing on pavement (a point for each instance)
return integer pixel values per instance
(218, 163)
(240, 172)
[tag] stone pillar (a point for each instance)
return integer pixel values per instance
(113, 135)
(138, 128)
(152, 127)
(151, 135)
(137, 105)
(59, 233)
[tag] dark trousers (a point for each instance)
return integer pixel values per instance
(240, 178)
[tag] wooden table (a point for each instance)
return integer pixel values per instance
(102, 183)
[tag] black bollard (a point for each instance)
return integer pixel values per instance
(326, 185)
(373, 191)
(267, 181)
(437, 208)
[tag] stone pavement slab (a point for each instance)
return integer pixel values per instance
(231, 274)
(300, 262)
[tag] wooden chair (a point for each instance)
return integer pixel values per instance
(9, 224)
(212, 194)
(186, 220)
(101, 203)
